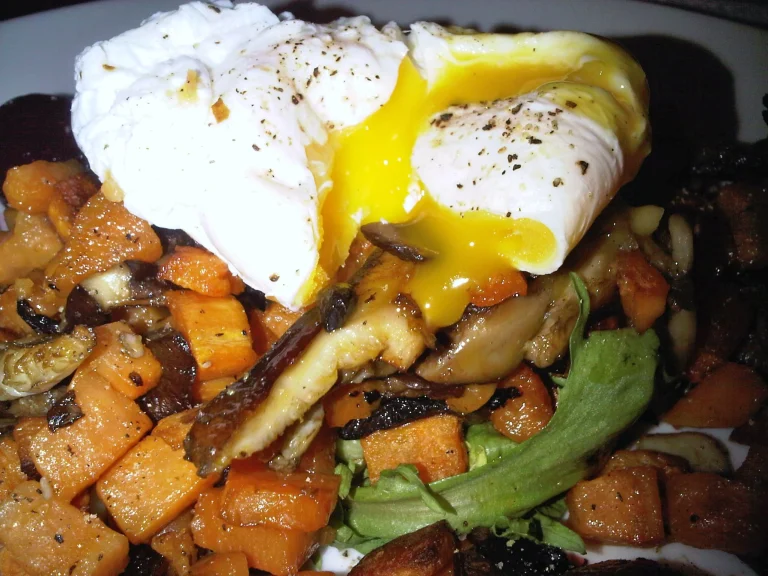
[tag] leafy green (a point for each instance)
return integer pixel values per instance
(541, 528)
(406, 476)
(346, 479)
(485, 444)
(350, 452)
(554, 509)
(609, 385)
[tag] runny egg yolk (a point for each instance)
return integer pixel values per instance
(373, 180)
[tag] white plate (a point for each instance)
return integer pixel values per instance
(707, 77)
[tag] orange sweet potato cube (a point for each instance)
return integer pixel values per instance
(73, 458)
(9, 566)
(208, 390)
(279, 552)
(623, 507)
(217, 331)
(726, 398)
(642, 288)
(255, 495)
(31, 187)
(52, 537)
(150, 486)
(708, 511)
(32, 244)
(230, 563)
(666, 464)
(198, 270)
(434, 445)
(122, 359)
(523, 416)
(103, 234)
(10, 466)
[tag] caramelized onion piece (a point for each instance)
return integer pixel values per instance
(173, 392)
(390, 238)
(38, 322)
(64, 413)
(391, 413)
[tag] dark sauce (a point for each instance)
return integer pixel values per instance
(36, 127)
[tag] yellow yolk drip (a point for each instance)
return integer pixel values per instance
(373, 179)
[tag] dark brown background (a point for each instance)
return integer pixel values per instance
(749, 11)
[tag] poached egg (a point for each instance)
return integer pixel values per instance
(271, 141)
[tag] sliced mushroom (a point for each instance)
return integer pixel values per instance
(393, 238)
(488, 343)
(28, 368)
(594, 261)
(303, 365)
(297, 439)
(129, 283)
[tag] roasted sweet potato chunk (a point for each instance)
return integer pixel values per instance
(198, 270)
(279, 552)
(708, 511)
(73, 458)
(473, 398)
(231, 564)
(524, 415)
(623, 507)
(121, 358)
(148, 487)
(52, 537)
(31, 187)
(434, 445)
(726, 398)
(217, 331)
(103, 234)
(426, 552)
(175, 543)
(32, 244)
(642, 288)
(255, 495)
(10, 466)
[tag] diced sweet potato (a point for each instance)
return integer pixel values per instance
(31, 187)
(350, 402)
(208, 390)
(175, 544)
(33, 244)
(255, 495)
(474, 397)
(277, 318)
(10, 466)
(10, 567)
(23, 434)
(61, 215)
(708, 511)
(426, 552)
(642, 288)
(498, 288)
(122, 359)
(73, 457)
(523, 416)
(623, 507)
(148, 487)
(666, 464)
(69, 196)
(217, 331)
(726, 398)
(53, 537)
(320, 457)
(198, 270)
(279, 552)
(231, 564)
(173, 429)
(104, 233)
(434, 445)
